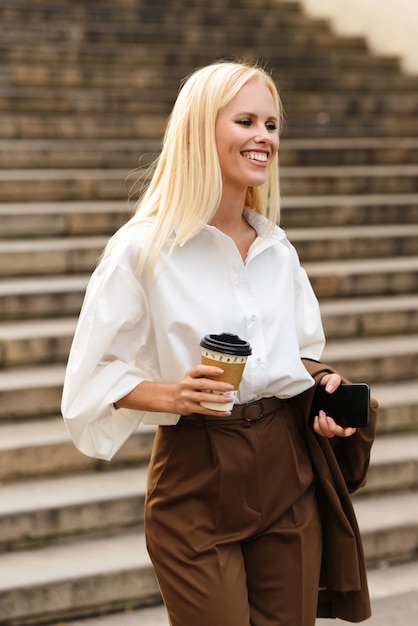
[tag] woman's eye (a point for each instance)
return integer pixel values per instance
(271, 126)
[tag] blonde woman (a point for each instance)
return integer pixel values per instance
(240, 518)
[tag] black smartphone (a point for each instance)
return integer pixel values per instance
(348, 405)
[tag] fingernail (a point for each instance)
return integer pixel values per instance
(329, 388)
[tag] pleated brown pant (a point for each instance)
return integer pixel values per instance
(232, 523)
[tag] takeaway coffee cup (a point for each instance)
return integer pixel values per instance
(230, 353)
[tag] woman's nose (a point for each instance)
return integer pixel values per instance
(263, 135)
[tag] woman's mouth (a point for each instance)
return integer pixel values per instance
(260, 157)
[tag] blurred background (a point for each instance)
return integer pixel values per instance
(85, 89)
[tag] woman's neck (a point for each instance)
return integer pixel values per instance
(237, 228)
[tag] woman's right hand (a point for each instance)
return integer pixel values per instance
(198, 386)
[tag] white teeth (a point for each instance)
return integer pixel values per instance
(256, 156)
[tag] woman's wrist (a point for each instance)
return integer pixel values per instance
(150, 396)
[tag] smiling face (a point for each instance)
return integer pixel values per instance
(247, 139)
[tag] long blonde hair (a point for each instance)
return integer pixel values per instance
(186, 186)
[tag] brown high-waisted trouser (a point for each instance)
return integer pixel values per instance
(232, 522)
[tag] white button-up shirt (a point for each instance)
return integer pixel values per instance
(134, 329)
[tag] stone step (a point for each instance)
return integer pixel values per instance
(391, 580)
(23, 298)
(164, 28)
(35, 18)
(39, 390)
(63, 219)
(398, 406)
(147, 616)
(393, 465)
(363, 277)
(298, 211)
(389, 526)
(350, 179)
(182, 41)
(72, 184)
(50, 11)
(314, 32)
(350, 242)
(50, 256)
(105, 25)
(348, 151)
(116, 183)
(151, 126)
(301, 88)
(360, 317)
(93, 154)
(325, 126)
(42, 447)
(114, 572)
(324, 78)
(91, 101)
(82, 126)
(51, 510)
(393, 592)
(139, 102)
(35, 341)
(394, 595)
(357, 103)
(374, 359)
(57, 582)
(346, 53)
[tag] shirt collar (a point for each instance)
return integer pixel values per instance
(262, 225)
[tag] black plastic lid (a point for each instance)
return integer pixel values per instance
(227, 343)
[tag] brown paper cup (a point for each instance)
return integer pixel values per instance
(232, 371)
(233, 367)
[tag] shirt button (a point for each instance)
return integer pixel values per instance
(258, 361)
(253, 317)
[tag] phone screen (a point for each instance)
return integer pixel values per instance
(348, 405)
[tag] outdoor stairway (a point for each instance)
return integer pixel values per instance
(85, 89)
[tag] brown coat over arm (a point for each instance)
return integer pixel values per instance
(341, 466)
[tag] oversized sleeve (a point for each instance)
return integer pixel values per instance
(308, 316)
(113, 329)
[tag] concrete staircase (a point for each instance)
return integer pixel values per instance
(84, 92)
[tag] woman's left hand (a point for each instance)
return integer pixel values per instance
(323, 424)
